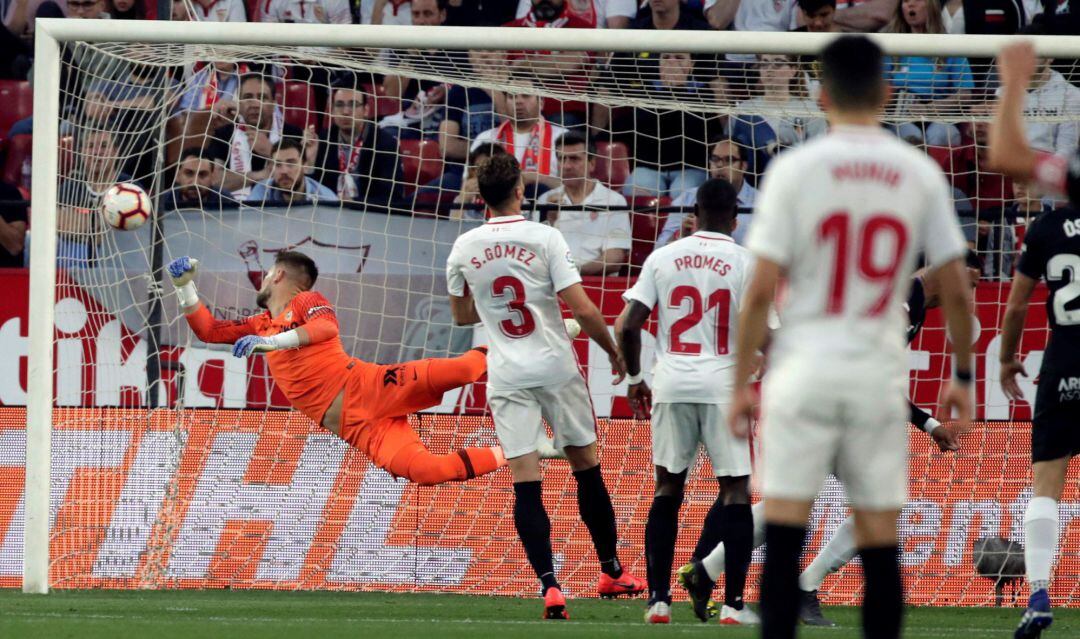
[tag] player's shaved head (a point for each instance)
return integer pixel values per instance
(299, 267)
(497, 178)
(716, 205)
(852, 74)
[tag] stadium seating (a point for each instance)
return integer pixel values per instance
(18, 150)
(384, 104)
(18, 99)
(298, 101)
(612, 164)
(421, 162)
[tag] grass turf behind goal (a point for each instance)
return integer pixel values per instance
(265, 615)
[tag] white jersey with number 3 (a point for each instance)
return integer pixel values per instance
(846, 215)
(514, 270)
(696, 285)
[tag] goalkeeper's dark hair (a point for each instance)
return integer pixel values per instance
(300, 264)
(497, 178)
(852, 73)
(813, 6)
(716, 205)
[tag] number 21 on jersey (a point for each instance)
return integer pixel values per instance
(717, 305)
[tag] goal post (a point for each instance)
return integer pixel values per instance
(320, 517)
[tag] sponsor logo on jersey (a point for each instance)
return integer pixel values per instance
(1069, 389)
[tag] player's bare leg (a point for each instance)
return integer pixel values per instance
(785, 533)
(1041, 532)
(594, 505)
(534, 529)
(883, 603)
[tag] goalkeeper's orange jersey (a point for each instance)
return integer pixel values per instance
(310, 376)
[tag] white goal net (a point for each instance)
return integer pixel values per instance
(175, 464)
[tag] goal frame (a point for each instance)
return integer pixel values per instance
(51, 33)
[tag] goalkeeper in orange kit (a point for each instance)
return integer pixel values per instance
(365, 404)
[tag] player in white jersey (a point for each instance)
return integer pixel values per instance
(842, 220)
(510, 274)
(696, 285)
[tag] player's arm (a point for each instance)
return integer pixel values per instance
(628, 330)
(866, 17)
(463, 309)
(1009, 150)
(1016, 310)
(462, 304)
(183, 270)
(945, 439)
(956, 304)
(751, 338)
(318, 323)
(592, 322)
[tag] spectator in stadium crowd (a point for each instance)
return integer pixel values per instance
(727, 161)
(668, 146)
(926, 88)
(599, 238)
(385, 12)
(287, 183)
(470, 192)
(1051, 96)
(127, 9)
(98, 9)
(478, 13)
(211, 10)
(668, 15)
(788, 113)
(307, 11)
(260, 124)
(356, 159)
(196, 183)
(602, 14)
(530, 138)
(1027, 203)
(97, 168)
(16, 40)
(817, 16)
(214, 87)
(13, 219)
(470, 110)
(423, 101)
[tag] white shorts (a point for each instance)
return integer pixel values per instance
(520, 414)
(861, 437)
(678, 428)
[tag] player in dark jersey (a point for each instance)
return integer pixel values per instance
(1052, 253)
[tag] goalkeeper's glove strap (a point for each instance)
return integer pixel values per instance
(187, 294)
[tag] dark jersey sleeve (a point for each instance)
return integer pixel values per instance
(1033, 254)
(918, 417)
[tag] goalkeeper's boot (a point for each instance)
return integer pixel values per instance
(1037, 617)
(699, 586)
(741, 617)
(626, 584)
(810, 610)
(658, 612)
(555, 604)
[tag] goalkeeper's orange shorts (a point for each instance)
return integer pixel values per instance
(378, 398)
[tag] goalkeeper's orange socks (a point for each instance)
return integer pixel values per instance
(780, 581)
(446, 374)
(883, 602)
(417, 464)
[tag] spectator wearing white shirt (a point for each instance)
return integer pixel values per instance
(529, 138)
(308, 11)
(599, 239)
(386, 12)
(727, 161)
(1049, 98)
(604, 14)
(216, 10)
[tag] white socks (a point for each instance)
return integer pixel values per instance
(1041, 528)
(837, 552)
(714, 562)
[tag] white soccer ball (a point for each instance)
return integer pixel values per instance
(126, 206)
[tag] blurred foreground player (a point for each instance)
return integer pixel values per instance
(365, 404)
(696, 286)
(1051, 252)
(842, 220)
(510, 274)
(700, 576)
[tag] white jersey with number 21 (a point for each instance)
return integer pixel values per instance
(514, 270)
(696, 285)
(846, 215)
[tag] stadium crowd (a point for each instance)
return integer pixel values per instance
(617, 181)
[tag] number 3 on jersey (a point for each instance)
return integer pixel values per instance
(720, 299)
(521, 322)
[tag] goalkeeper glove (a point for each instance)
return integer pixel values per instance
(249, 344)
(182, 270)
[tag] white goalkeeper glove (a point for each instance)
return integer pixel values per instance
(182, 270)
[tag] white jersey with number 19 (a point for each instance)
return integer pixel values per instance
(846, 215)
(696, 285)
(514, 270)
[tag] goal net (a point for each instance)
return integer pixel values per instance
(175, 465)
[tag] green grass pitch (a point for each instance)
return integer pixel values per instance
(326, 615)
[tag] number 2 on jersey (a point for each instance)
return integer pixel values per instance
(836, 229)
(524, 324)
(1065, 266)
(720, 299)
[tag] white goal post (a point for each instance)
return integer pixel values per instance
(52, 34)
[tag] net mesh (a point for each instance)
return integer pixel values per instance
(180, 467)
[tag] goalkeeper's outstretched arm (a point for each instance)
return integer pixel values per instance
(182, 270)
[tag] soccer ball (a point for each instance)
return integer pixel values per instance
(126, 206)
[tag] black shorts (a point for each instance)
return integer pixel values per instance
(1055, 430)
